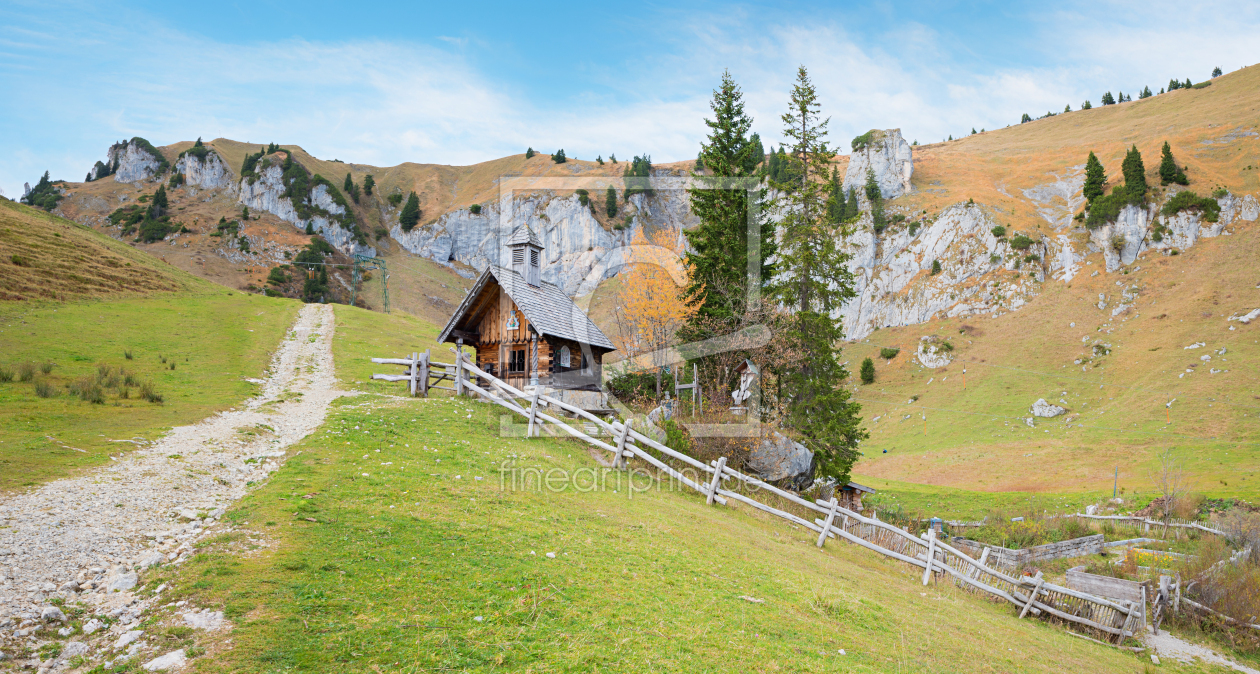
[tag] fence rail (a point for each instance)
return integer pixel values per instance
(1145, 523)
(938, 559)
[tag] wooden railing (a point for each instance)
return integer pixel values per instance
(1030, 594)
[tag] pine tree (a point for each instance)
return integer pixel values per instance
(875, 197)
(951, 136)
(1134, 174)
(835, 199)
(1067, 108)
(1188, 84)
(1087, 105)
(1107, 99)
(368, 183)
(1095, 178)
(613, 157)
(868, 371)
(1120, 97)
(244, 212)
(851, 206)
(1169, 172)
(1216, 72)
(1173, 85)
(936, 267)
(559, 157)
(600, 158)
(198, 143)
(755, 157)
(410, 215)
(772, 166)
(1025, 118)
(610, 202)
(529, 153)
(350, 189)
(158, 205)
(718, 245)
(814, 280)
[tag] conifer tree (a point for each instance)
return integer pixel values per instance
(1173, 85)
(1169, 172)
(600, 158)
(613, 157)
(348, 185)
(1025, 118)
(1188, 84)
(1107, 99)
(1086, 105)
(1216, 72)
(529, 153)
(772, 166)
(1067, 108)
(835, 198)
(198, 143)
(1095, 178)
(559, 157)
(756, 156)
(1134, 175)
(875, 197)
(158, 205)
(610, 202)
(368, 183)
(718, 245)
(851, 206)
(868, 371)
(814, 280)
(410, 215)
(1120, 97)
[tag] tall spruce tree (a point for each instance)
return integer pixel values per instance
(719, 245)
(1169, 172)
(756, 156)
(851, 206)
(875, 198)
(368, 183)
(1134, 175)
(410, 215)
(814, 280)
(1095, 178)
(159, 204)
(1107, 99)
(610, 202)
(835, 199)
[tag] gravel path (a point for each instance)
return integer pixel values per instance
(1166, 645)
(82, 537)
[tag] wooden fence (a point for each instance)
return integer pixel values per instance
(1146, 525)
(1115, 620)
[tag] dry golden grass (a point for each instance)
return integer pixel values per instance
(46, 257)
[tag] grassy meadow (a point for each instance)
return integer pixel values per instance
(390, 542)
(195, 350)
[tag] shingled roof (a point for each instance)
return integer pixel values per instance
(524, 234)
(545, 306)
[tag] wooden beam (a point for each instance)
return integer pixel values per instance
(474, 337)
(717, 479)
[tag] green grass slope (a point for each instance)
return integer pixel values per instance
(388, 542)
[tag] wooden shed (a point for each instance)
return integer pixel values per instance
(527, 331)
(850, 495)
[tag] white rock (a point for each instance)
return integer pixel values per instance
(1246, 318)
(1041, 408)
(210, 173)
(1030, 422)
(49, 613)
(92, 626)
(932, 354)
(172, 660)
(73, 649)
(134, 163)
(127, 638)
(778, 457)
(889, 157)
(124, 581)
(204, 620)
(149, 559)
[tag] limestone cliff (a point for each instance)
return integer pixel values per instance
(266, 192)
(136, 160)
(888, 156)
(208, 173)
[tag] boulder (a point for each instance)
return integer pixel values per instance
(1041, 408)
(172, 660)
(127, 638)
(933, 353)
(149, 559)
(73, 648)
(92, 625)
(204, 620)
(49, 613)
(778, 458)
(124, 581)
(889, 157)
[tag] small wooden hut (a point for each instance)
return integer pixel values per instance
(527, 331)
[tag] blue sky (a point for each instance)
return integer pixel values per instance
(458, 83)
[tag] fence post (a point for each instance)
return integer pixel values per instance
(1177, 600)
(1032, 596)
(717, 479)
(931, 555)
(533, 413)
(415, 372)
(424, 374)
(620, 461)
(831, 517)
(459, 366)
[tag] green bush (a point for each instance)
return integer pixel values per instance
(46, 367)
(26, 372)
(43, 389)
(639, 385)
(936, 267)
(395, 199)
(1021, 242)
(999, 231)
(6, 375)
(676, 436)
(888, 353)
(1201, 85)
(19, 261)
(44, 195)
(1187, 200)
(859, 143)
(149, 393)
(868, 371)
(559, 157)
(475, 209)
(1220, 193)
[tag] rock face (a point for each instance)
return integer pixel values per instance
(892, 273)
(266, 193)
(888, 155)
(777, 458)
(1041, 408)
(135, 163)
(579, 252)
(208, 173)
(172, 660)
(1132, 233)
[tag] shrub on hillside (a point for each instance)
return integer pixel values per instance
(999, 231)
(368, 183)
(639, 386)
(475, 209)
(936, 267)
(44, 390)
(888, 353)
(1021, 242)
(859, 143)
(6, 375)
(868, 371)
(26, 371)
(150, 393)
(559, 157)
(1187, 200)
(44, 194)
(395, 199)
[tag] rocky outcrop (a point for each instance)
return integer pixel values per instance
(886, 154)
(266, 192)
(134, 160)
(208, 173)
(578, 253)
(1045, 410)
(1134, 230)
(893, 276)
(933, 352)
